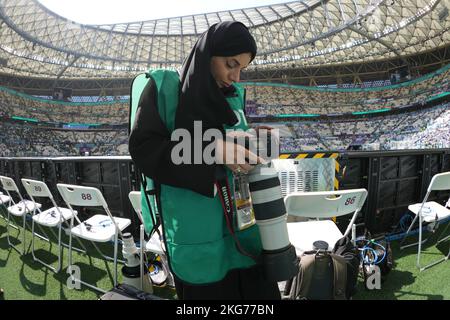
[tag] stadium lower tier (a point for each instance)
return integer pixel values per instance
(28, 140)
(423, 129)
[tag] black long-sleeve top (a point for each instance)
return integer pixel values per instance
(150, 148)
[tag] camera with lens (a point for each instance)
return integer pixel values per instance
(279, 258)
(131, 271)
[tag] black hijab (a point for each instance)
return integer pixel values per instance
(201, 99)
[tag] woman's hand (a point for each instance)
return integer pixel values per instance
(235, 156)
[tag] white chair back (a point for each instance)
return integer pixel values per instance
(9, 184)
(82, 196)
(135, 199)
(440, 181)
(325, 204)
(36, 188)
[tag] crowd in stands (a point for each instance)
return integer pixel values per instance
(20, 105)
(284, 99)
(25, 140)
(425, 128)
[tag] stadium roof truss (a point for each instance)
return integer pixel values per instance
(310, 33)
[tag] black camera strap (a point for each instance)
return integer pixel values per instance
(224, 191)
(151, 193)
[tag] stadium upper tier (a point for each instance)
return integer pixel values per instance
(37, 42)
(262, 100)
(18, 105)
(274, 99)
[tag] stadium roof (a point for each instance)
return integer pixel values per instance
(34, 41)
(142, 10)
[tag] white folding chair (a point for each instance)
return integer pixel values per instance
(321, 204)
(4, 200)
(98, 228)
(52, 217)
(155, 244)
(19, 209)
(430, 212)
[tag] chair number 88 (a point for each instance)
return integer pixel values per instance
(86, 196)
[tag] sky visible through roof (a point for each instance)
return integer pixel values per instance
(121, 11)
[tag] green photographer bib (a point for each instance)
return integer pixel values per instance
(199, 245)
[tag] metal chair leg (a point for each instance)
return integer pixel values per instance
(7, 235)
(114, 259)
(422, 268)
(54, 269)
(116, 244)
(70, 264)
(141, 256)
(83, 250)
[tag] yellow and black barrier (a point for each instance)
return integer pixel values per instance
(318, 155)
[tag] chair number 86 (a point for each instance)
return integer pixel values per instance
(350, 201)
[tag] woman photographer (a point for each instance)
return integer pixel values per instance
(210, 257)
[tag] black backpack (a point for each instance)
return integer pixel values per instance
(346, 249)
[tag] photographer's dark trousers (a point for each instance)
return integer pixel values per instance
(238, 284)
